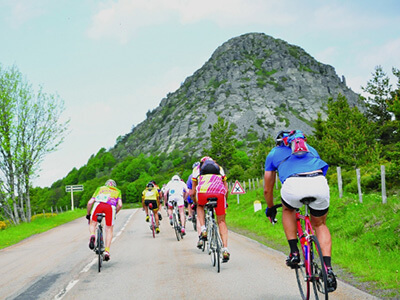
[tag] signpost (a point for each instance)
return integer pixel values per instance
(237, 190)
(72, 189)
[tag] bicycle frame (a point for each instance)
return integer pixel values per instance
(99, 238)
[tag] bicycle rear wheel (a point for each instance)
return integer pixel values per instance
(213, 245)
(218, 251)
(153, 225)
(99, 250)
(318, 271)
(176, 228)
(301, 275)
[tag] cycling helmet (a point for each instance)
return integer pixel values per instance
(111, 182)
(280, 137)
(195, 164)
(153, 182)
(150, 185)
(205, 158)
(176, 178)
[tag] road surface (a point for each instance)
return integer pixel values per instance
(58, 264)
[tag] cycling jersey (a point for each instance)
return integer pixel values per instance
(281, 160)
(175, 190)
(107, 194)
(209, 183)
(189, 186)
(151, 194)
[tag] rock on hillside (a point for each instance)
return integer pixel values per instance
(259, 83)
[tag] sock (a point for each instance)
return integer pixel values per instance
(293, 246)
(327, 261)
(107, 249)
(203, 228)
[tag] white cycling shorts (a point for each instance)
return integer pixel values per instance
(178, 199)
(296, 188)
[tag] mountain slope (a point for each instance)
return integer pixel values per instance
(259, 83)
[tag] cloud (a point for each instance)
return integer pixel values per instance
(122, 20)
(24, 11)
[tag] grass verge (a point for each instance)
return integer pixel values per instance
(40, 223)
(365, 237)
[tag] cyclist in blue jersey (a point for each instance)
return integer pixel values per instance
(301, 176)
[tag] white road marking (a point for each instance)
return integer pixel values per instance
(72, 283)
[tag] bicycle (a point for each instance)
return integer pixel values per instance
(152, 220)
(214, 242)
(311, 269)
(99, 248)
(177, 222)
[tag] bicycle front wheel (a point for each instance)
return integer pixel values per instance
(318, 271)
(302, 277)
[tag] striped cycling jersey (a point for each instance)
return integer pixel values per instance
(209, 183)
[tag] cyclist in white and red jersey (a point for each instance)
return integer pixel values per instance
(106, 199)
(208, 181)
(176, 191)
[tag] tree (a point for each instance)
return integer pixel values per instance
(222, 143)
(30, 128)
(377, 105)
(348, 138)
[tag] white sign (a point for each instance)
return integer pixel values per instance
(237, 189)
(75, 188)
(257, 206)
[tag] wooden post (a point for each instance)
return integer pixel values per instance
(249, 185)
(359, 185)
(340, 182)
(383, 182)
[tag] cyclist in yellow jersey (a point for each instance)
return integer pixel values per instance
(150, 195)
(106, 199)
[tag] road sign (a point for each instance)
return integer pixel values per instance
(75, 188)
(237, 189)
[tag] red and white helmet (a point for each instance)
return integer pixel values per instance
(205, 158)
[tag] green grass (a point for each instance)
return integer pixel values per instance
(15, 234)
(365, 237)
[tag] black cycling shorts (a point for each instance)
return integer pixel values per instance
(154, 202)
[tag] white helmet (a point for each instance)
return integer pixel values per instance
(176, 178)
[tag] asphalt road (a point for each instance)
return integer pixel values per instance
(59, 265)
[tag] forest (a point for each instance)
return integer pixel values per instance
(349, 137)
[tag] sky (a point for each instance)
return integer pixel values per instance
(112, 61)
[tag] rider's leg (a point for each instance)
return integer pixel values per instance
(223, 230)
(323, 234)
(200, 215)
(182, 214)
(155, 211)
(109, 236)
(92, 227)
(289, 222)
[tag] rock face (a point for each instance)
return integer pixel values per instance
(259, 83)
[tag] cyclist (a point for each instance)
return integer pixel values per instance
(176, 190)
(300, 177)
(150, 195)
(159, 198)
(209, 180)
(189, 199)
(106, 199)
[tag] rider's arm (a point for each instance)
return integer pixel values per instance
(89, 205)
(269, 181)
(119, 205)
(193, 191)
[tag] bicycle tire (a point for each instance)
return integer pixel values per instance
(218, 250)
(153, 225)
(176, 228)
(213, 246)
(318, 271)
(194, 221)
(99, 252)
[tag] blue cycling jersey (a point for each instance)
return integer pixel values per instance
(189, 185)
(281, 159)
